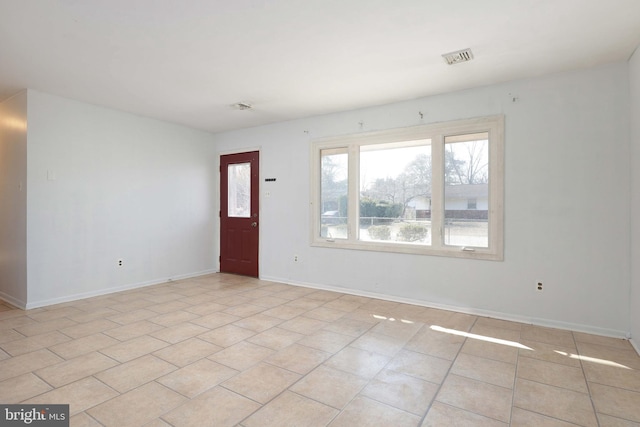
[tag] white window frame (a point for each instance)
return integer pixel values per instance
(437, 132)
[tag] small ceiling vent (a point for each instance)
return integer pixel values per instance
(458, 56)
(242, 106)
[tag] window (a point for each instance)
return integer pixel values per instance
(239, 190)
(433, 190)
(334, 193)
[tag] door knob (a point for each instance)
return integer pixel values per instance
(254, 224)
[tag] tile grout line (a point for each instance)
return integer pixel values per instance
(584, 375)
(551, 385)
(304, 376)
(247, 287)
(515, 380)
(444, 379)
(373, 377)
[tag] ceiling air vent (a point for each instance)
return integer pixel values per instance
(242, 106)
(463, 55)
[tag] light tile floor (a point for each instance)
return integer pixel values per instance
(224, 350)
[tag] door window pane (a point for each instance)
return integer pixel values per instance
(334, 166)
(466, 191)
(239, 190)
(395, 192)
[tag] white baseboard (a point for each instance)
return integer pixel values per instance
(466, 310)
(635, 345)
(550, 323)
(13, 301)
(105, 291)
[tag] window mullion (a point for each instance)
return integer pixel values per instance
(354, 192)
(338, 184)
(496, 189)
(437, 191)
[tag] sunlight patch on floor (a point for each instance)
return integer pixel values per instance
(480, 337)
(593, 360)
(390, 319)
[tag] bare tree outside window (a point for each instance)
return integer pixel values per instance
(466, 191)
(467, 162)
(430, 189)
(391, 176)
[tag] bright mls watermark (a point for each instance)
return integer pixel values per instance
(34, 415)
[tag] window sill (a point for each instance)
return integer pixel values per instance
(452, 251)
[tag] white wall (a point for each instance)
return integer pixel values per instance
(634, 79)
(13, 199)
(567, 142)
(105, 185)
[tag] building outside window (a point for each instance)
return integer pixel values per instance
(433, 190)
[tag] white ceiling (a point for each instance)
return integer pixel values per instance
(188, 61)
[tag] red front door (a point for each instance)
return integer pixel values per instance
(239, 221)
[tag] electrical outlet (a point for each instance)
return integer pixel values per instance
(120, 262)
(539, 286)
(295, 258)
